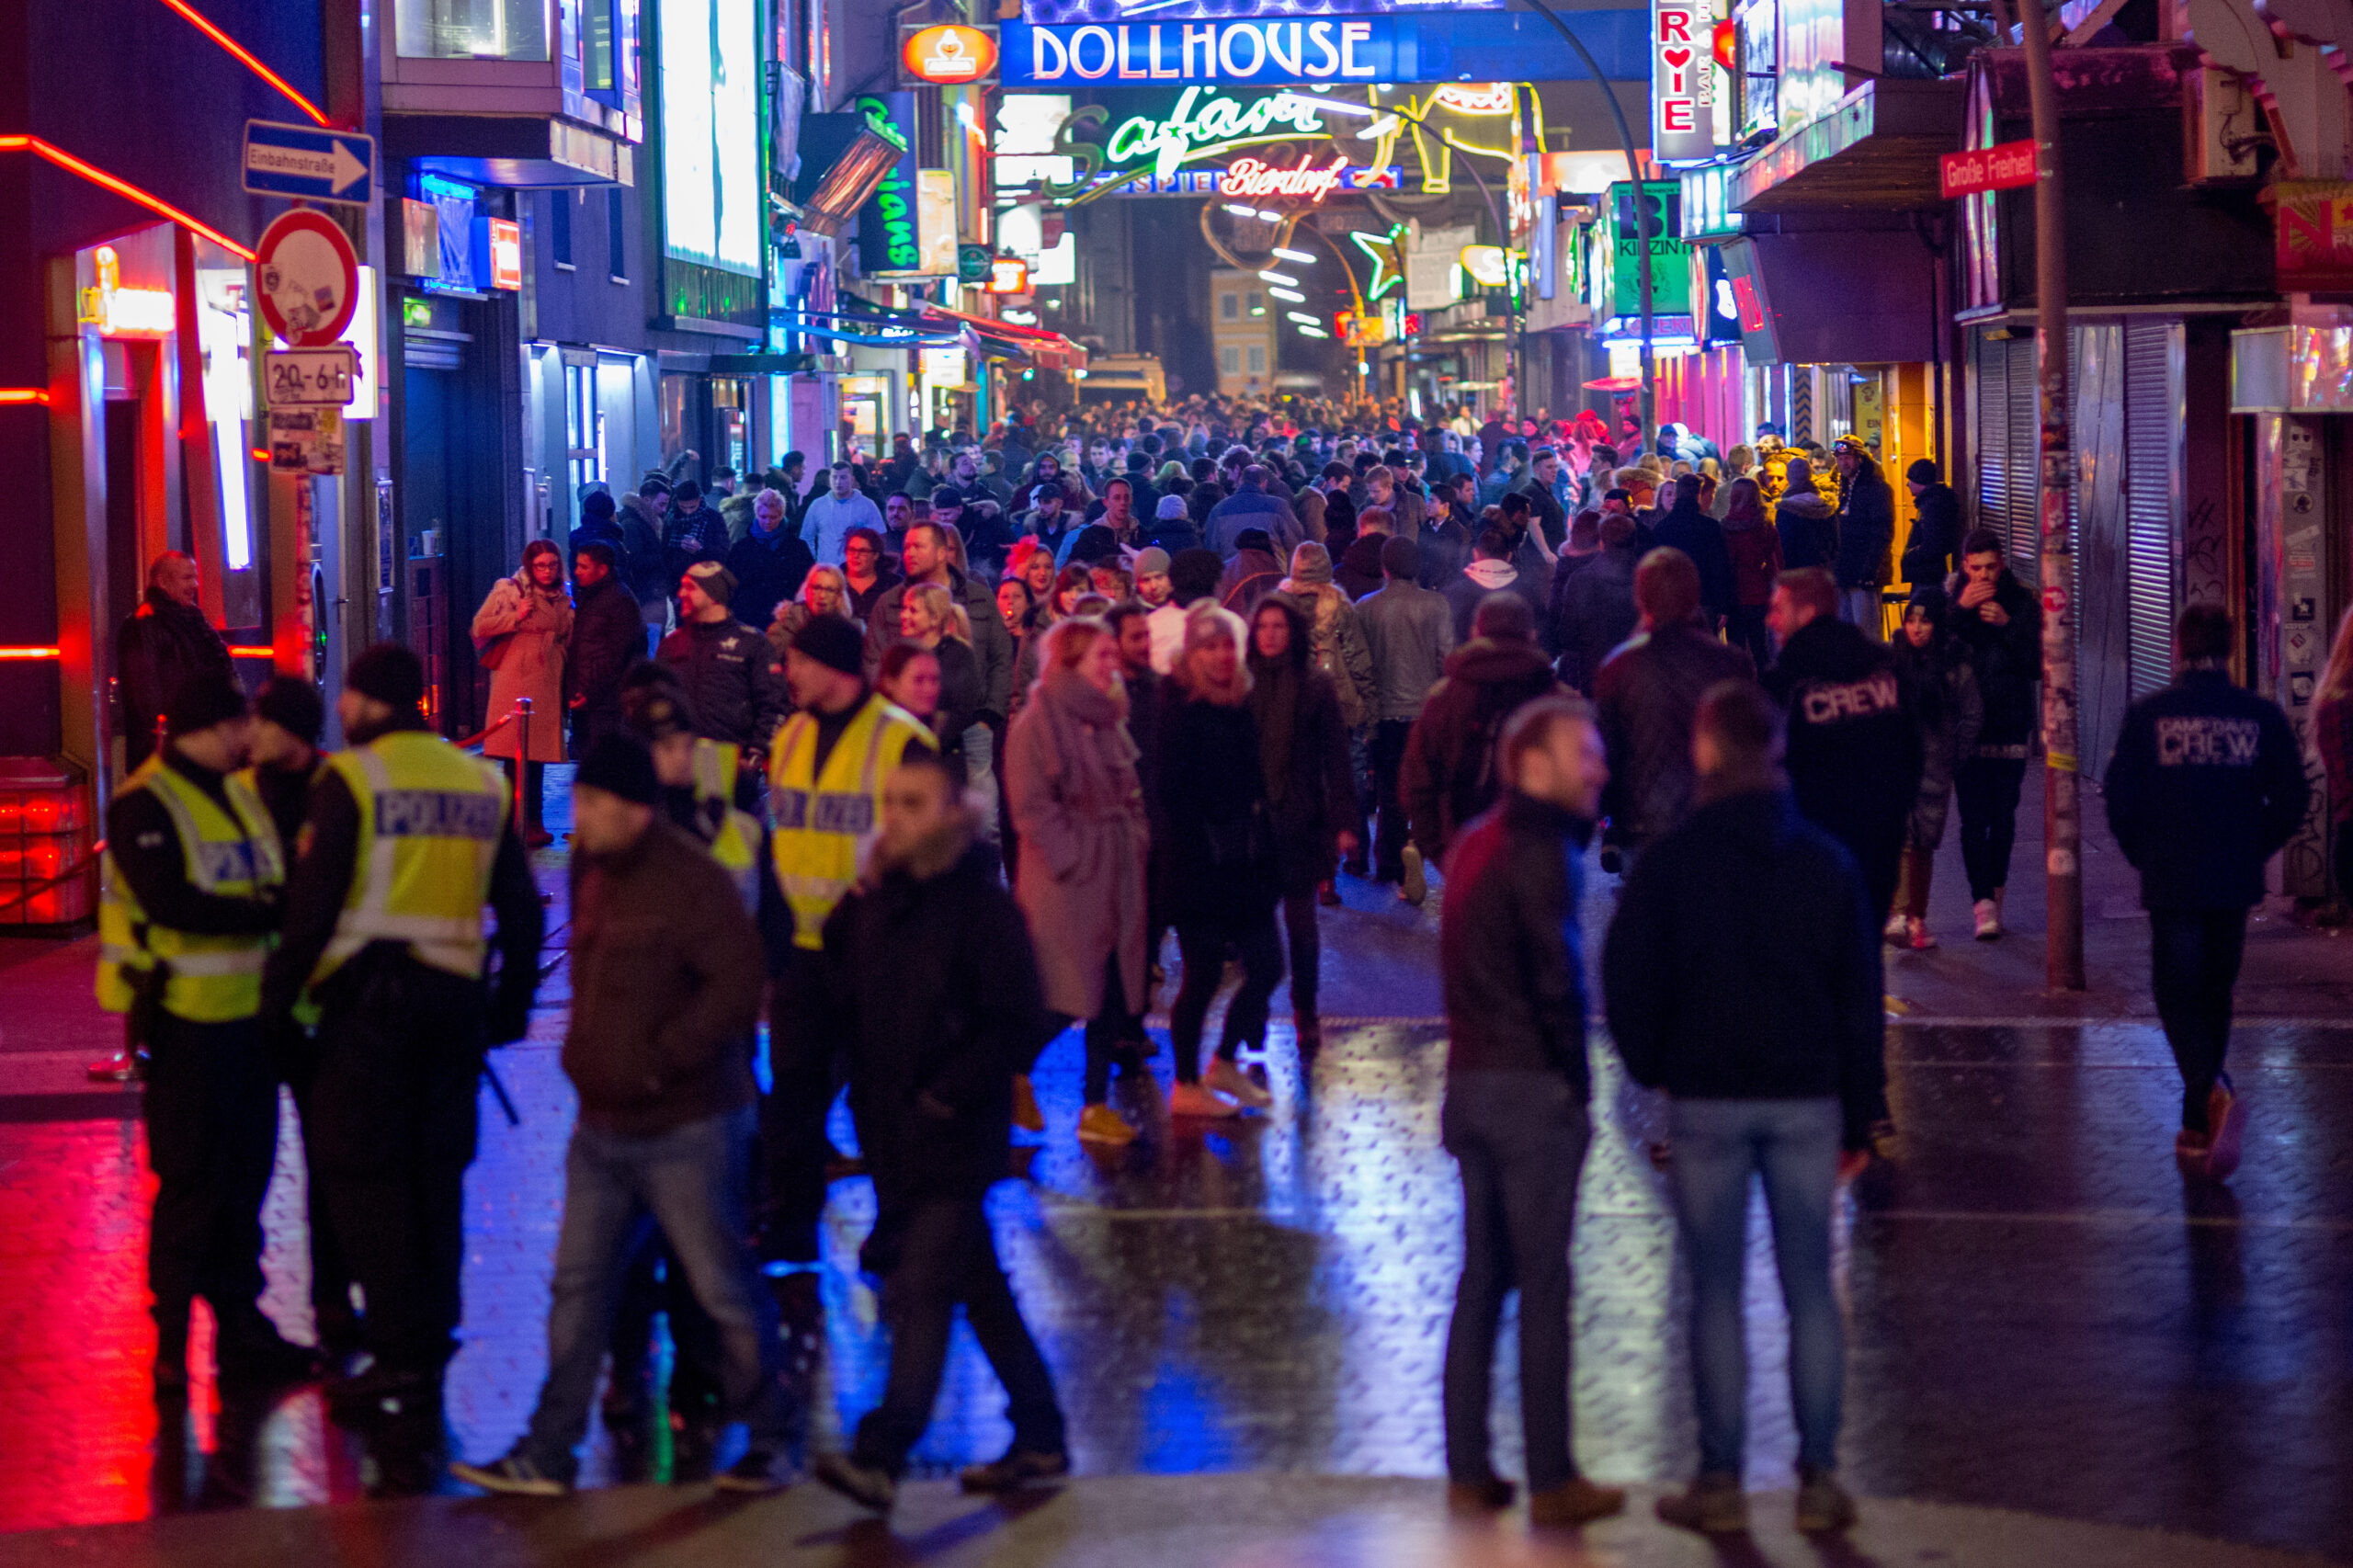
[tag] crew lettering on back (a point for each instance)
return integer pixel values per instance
(1837, 704)
(2207, 742)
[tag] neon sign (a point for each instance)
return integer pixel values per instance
(949, 54)
(1495, 97)
(118, 312)
(1682, 80)
(1248, 177)
(1204, 123)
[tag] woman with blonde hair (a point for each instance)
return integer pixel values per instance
(1078, 813)
(824, 591)
(930, 618)
(519, 637)
(2333, 734)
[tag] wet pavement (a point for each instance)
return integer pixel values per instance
(2045, 1321)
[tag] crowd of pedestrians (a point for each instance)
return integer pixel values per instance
(926, 764)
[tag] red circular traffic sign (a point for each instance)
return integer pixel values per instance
(307, 276)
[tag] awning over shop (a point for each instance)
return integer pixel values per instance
(1046, 349)
(1876, 150)
(875, 327)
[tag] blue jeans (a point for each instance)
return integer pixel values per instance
(1793, 1144)
(692, 1182)
(1519, 1138)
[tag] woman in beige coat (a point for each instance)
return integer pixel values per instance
(1070, 772)
(519, 636)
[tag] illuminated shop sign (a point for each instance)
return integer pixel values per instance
(118, 312)
(949, 55)
(1682, 80)
(1269, 52)
(1205, 122)
(1219, 182)
(1249, 177)
(1073, 12)
(1756, 26)
(889, 235)
(710, 134)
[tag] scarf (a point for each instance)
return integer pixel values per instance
(1086, 743)
(1274, 703)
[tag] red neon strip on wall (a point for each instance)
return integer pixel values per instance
(99, 177)
(24, 394)
(28, 653)
(205, 24)
(237, 650)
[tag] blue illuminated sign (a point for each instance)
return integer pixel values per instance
(1320, 51)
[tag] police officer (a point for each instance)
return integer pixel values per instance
(193, 875)
(1854, 751)
(2207, 785)
(408, 838)
(825, 773)
(285, 766)
(698, 776)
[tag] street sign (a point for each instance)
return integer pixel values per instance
(310, 378)
(302, 160)
(309, 279)
(973, 264)
(2005, 167)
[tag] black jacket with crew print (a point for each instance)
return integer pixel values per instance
(2206, 785)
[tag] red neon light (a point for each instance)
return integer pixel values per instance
(264, 652)
(29, 653)
(24, 394)
(99, 177)
(204, 25)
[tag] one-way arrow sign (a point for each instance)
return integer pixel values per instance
(301, 160)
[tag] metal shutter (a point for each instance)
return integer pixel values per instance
(2152, 422)
(2023, 519)
(1991, 419)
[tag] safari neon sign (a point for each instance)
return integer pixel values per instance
(1204, 123)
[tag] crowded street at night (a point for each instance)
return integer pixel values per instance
(1177, 784)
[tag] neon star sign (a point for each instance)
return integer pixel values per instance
(1388, 253)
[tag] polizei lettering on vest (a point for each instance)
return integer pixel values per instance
(437, 814)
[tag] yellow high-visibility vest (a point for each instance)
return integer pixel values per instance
(231, 854)
(430, 819)
(822, 821)
(732, 835)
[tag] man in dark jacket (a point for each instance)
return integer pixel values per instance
(597, 524)
(1999, 619)
(607, 638)
(1933, 544)
(1251, 507)
(935, 989)
(1648, 693)
(666, 982)
(768, 564)
(1770, 1047)
(1448, 774)
(1866, 532)
(646, 563)
(2207, 785)
(1690, 529)
(164, 645)
(1408, 630)
(1594, 610)
(722, 664)
(1516, 1087)
(1854, 744)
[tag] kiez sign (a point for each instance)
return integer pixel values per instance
(1682, 81)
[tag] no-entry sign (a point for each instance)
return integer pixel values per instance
(309, 279)
(2005, 167)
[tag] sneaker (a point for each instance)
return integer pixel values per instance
(1192, 1099)
(1576, 1501)
(1328, 895)
(1026, 1114)
(1101, 1124)
(757, 1472)
(1988, 914)
(1916, 937)
(1016, 1470)
(2190, 1153)
(122, 1067)
(1714, 1505)
(1415, 886)
(1466, 1499)
(513, 1476)
(1823, 1504)
(2225, 1129)
(1227, 1079)
(1897, 930)
(863, 1484)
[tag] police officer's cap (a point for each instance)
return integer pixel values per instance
(201, 703)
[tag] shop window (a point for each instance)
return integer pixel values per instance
(617, 234)
(471, 29)
(560, 228)
(583, 427)
(1228, 359)
(1229, 305)
(1257, 359)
